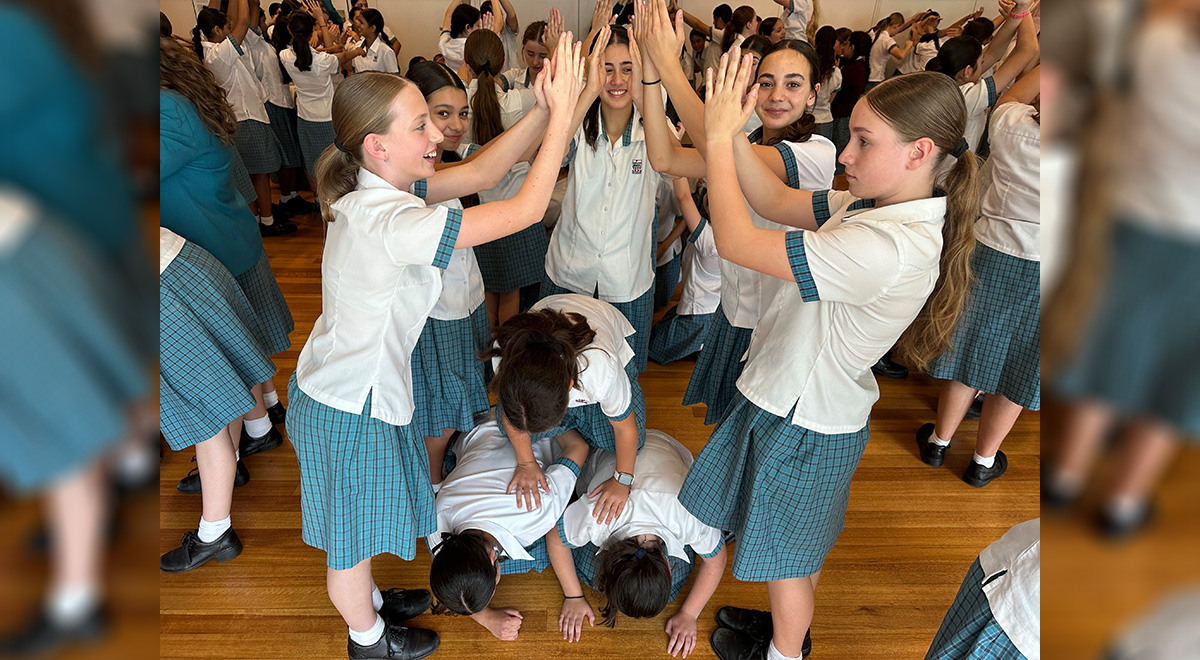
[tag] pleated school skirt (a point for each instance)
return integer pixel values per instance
(666, 279)
(283, 124)
(514, 261)
(273, 320)
(258, 146)
(714, 378)
(314, 137)
(677, 336)
(450, 383)
(241, 179)
(970, 630)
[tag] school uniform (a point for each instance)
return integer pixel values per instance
(314, 103)
(996, 612)
(666, 267)
(995, 346)
(917, 57)
(777, 470)
(474, 496)
(821, 112)
(881, 55)
(652, 508)
(233, 67)
(450, 383)
(682, 330)
(603, 245)
(518, 77)
(364, 472)
(452, 49)
(607, 388)
(745, 292)
(200, 204)
(796, 18)
(281, 107)
(379, 57)
(512, 47)
(980, 97)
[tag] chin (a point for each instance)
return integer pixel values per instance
(617, 104)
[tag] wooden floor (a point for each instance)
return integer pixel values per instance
(911, 532)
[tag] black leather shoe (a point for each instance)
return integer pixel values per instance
(979, 476)
(976, 408)
(397, 643)
(300, 206)
(1121, 528)
(192, 552)
(277, 413)
(931, 454)
(400, 605)
(251, 446)
(732, 645)
(278, 228)
(190, 485)
(42, 635)
(755, 624)
(888, 369)
(280, 213)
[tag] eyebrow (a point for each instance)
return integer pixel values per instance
(420, 118)
(860, 129)
(445, 105)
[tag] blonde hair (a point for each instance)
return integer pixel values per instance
(361, 106)
(181, 71)
(930, 105)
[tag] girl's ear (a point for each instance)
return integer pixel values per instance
(373, 145)
(812, 96)
(920, 152)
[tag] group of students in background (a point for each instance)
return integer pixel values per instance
(440, 285)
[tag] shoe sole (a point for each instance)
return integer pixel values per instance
(267, 446)
(223, 556)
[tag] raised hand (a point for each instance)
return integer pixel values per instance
(724, 112)
(660, 40)
(555, 26)
(636, 88)
(603, 14)
(596, 76)
(565, 79)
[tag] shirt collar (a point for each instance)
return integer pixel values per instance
(932, 209)
(674, 546)
(755, 136)
(507, 541)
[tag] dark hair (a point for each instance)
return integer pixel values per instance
(281, 35)
(273, 8)
(823, 45)
(164, 25)
(697, 33)
(484, 55)
(723, 12)
(843, 34)
(756, 44)
(805, 125)
(539, 360)
(485, 7)
(955, 55)
(463, 17)
(635, 586)
(206, 21)
(861, 41)
(534, 32)
(591, 121)
(301, 26)
(373, 18)
(462, 575)
(741, 17)
(767, 26)
(416, 59)
(979, 28)
(429, 77)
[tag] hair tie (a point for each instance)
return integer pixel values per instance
(640, 553)
(961, 148)
(341, 148)
(446, 536)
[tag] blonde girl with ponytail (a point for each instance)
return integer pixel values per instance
(886, 261)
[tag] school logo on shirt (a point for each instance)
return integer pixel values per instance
(637, 165)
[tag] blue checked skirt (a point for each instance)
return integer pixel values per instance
(283, 124)
(995, 346)
(970, 631)
(259, 147)
(364, 484)
(587, 566)
(241, 179)
(273, 320)
(1140, 353)
(677, 336)
(209, 357)
(61, 344)
(714, 378)
(639, 312)
(514, 261)
(666, 279)
(450, 383)
(314, 137)
(781, 488)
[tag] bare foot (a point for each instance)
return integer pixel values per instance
(504, 624)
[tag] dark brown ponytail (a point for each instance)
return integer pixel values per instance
(484, 54)
(635, 580)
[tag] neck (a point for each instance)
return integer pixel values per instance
(770, 134)
(921, 190)
(615, 120)
(368, 40)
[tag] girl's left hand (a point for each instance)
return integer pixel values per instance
(681, 630)
(724, 112)
(564, 83)
(570, 620)
(636, 88)
(613, 497)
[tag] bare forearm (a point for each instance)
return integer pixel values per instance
(491, 163)
(626, 440)
(737, 239)
(687, 103)
(708, 578)
(563, 563)
(764, 190)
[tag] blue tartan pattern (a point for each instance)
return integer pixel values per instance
(969, 631)
(314, 137)
(789, 165)
(798, 260)
(714, 378)
(283, 124)
(273, 320)
(677, 336)
(666, 280)
(445, 250)
(209, 357)
(991, 90)
(820, 203)
(639, 312)
(241, 178)
(995, 347)
(514, 261)
(364, 484)
(450, 383)
(587, 566)
(258, 146)
(781, 488)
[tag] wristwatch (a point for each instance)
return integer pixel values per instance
(623, 478)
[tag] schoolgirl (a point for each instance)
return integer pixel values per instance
(460, 21)
(883, 44)
(668, 255)
(854, 81)
(798, 15)
(199, 204)
(523, 71)
(965, 60)
(869, 266)
(926, 48)
(313, 71)
(219, 41)
(996, 347)
(509, 33)
(481, 535)
(642, 559)
(792, 153)
(364, 473)
(773, 29)
(829, 76)
(681, 331)
(379, 55)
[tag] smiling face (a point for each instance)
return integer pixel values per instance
(535, 56)
(697, 42)
(449, 112)
(408, 151)
(784, 89)
(361, 26)
(618, 69)
(875, 159)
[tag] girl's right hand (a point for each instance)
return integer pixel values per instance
(528, 481)
(660, 41)
(565, 79)
(724, 112)
(570, 621)
(602, 15)
(555, 26)
(596, 76)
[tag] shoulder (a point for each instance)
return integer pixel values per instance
(176, 114)
(1016, 118)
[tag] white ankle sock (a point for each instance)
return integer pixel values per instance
(257, 428)
(286, 198)
(376, 599)
(267, 220)
(938, 441)
(986, 462)
(211, 531)
(774, 654)
(67, 606)
(370, 636)
(270, 398)
(1126, 507)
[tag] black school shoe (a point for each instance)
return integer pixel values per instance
(190, 485)
(277, 228)
(277, 413)
(193, 553)
(1116, 528)
(888, 369)
(397, 643)
(42, 635)
(755, 624)
(400, 605)
(732, 645)
(300, 206)
(979, 476)
(931, 454)
(250, 446)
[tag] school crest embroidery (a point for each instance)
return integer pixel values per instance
(637, 165)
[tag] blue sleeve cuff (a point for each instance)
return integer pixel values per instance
(820, 202)
(699, 228)
(991, 90)
(799, 263)
(236, 46)
(571, 152)
(569, 464)
(789, 164)
(716, 551)
(421, 188)
(472, 148)
(449, 238)
(562, 534)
